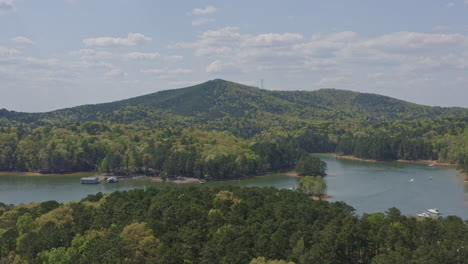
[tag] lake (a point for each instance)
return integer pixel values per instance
(367, 186)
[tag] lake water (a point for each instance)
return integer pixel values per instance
(367, 186)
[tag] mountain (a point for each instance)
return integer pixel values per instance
(219, 100)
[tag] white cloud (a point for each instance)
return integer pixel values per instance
(218, 66)
(152, 56)
(450, 5)
(413, 40)
(230, 50)
(90, 53)
(204, 11)
(223, 34)
(143, 56)
(167, 71)
(132, 39)
(272, 39)
(201, 21)
(6, 6)
(6, 52)
(22, 40)
(213, 51)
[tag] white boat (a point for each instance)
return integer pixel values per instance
(431, 165)
(112, 180)
(89, 180)
(423, 215)
(411, 180)
(434, 211)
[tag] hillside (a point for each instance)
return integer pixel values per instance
(218, 99)
(221, 129)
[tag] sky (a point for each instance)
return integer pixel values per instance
(63, 53)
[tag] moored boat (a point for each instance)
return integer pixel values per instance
(112, 180)
(89, 180)
(434, 211)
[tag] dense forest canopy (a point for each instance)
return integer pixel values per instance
(222, 225)
(221, 129)
(218, 100)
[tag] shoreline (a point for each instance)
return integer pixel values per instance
(325, 197)
(37, 174)
(428, 162)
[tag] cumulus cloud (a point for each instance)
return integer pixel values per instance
(218, 66)
(132, 39)
(272, 39)
(90, 53)
(6, 52)
(292, 52)
(143, 56)
(6, 6)
(152, 56)
(22, 40)
(204, 11)
(201, 21)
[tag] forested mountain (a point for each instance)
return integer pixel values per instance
(221, 129)
(218, 99)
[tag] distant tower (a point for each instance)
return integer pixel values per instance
(261, 83)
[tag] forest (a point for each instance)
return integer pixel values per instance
(220, 129)
(222, 225)
(215, 154)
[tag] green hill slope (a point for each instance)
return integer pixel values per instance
(218, 99)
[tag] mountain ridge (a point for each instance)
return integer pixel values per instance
(218, 98)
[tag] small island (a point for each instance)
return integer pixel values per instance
(312, 170)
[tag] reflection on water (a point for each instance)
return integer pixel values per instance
(367, 186)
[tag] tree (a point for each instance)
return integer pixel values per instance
(315, 186)
(141, 243)
(310, 165)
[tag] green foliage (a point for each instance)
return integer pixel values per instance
(221, 129)
(224, 225)
(309, 165)
(314, 186)
(240, 109)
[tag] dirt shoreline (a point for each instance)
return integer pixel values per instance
(325, 197)
(400, 160)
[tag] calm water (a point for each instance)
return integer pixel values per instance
(368, 187)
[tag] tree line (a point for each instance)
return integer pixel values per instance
(222, 225)
(215, 154)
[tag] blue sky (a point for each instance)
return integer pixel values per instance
(63, 53)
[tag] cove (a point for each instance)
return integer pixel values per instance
(367, 186)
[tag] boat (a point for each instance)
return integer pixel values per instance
(434, 211)
(423, 215)
(431, 165)
(112, 180)
(411, 180)
(89, 180)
